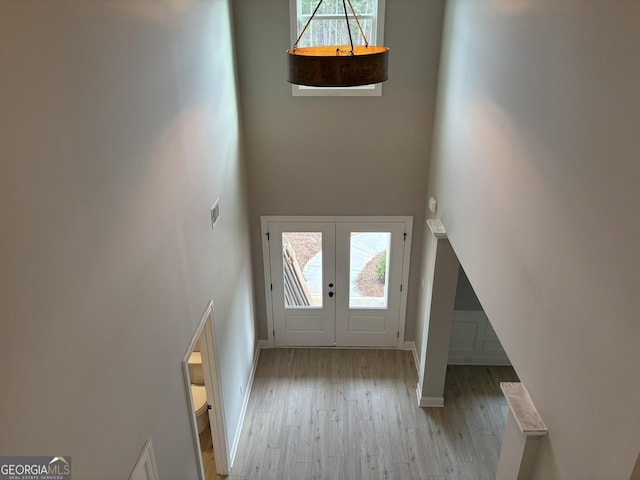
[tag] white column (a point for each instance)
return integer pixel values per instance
(442, 279)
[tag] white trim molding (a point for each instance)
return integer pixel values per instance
(145, 468)
(411, 346)
(437, 228)
(260, 344)
(428, 401)
(205, 335)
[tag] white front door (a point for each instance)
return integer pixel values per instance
(302, 279)
(369, 265)
(336, 281)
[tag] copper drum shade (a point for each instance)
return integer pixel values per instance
(337, 66)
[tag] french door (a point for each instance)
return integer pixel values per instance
(336, 281)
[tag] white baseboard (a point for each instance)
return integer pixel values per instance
(411, 345)
(234, 447)
(428, 401)
(431, 402)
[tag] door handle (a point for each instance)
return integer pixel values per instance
(331, 294)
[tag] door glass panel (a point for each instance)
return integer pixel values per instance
(369, 269)
(302, 269)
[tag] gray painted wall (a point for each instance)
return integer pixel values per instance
(536, 171)
(337, 156)
(119, 130)
(466, 298)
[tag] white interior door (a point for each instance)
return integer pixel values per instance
(302, 260)
(214, 396)
(336, 281)
(369, 265)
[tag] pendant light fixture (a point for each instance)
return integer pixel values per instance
(337, 65)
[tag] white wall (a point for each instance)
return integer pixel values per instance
(119, 129)
(536, 171)
(337, 156)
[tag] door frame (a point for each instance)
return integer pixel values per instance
(206, 335)
(264, 229)
(324, 334)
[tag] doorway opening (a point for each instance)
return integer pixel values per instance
(477, 365)
(336, 281)
(462, 362)
(204, 395)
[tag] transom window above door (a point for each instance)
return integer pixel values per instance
(328, 27)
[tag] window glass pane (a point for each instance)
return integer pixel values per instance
(335, 7)
(334, 32)
(369, 269)
(302, 269)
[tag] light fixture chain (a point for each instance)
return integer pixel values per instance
(295, 45)
(346, 18)
(366, 42)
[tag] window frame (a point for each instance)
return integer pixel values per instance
(360, 91)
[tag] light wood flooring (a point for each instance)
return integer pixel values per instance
(208, 459)
(353, 414)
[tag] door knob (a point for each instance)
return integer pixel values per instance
(331, 294)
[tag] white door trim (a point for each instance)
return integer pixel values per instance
(205, 333)
(264, 222)
(312, 325)
(145, 468)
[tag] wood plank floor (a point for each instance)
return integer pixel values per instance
(208, 459)
(353, 414)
